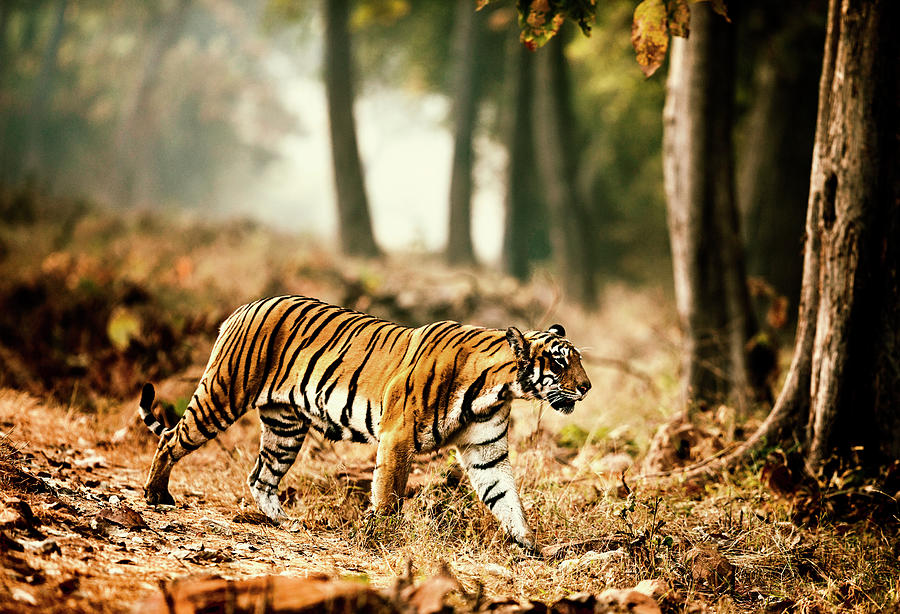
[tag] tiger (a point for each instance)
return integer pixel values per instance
(303, 363)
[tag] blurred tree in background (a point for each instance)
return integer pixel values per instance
(783, 50)
(466, 92)
(136, 129)
(354, 220)
(133, 103)
(707, 252)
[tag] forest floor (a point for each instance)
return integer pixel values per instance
(94, 304)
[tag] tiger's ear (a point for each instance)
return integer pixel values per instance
(557, 329)
(517, 343)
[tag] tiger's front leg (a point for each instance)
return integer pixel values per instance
(391, 471)
(491, 475)
(395, 450)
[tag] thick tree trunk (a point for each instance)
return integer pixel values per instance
(354, 221)
(43, 87)
(135, 122)
(557, 148)
(465, 112)
(844, 380)
(855, 196)
(775, 158)
(710, 279)
(525, 237)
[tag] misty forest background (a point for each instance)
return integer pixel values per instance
(220, 108)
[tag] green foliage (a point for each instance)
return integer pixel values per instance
(124, 325)
(620, 110)
(572, 436)
(540, 20)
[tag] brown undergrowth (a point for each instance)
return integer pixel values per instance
(94, 545)
(77, 536)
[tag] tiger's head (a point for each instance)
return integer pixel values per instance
(549, 367)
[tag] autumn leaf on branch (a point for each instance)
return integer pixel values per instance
(650, 35)
(719, 7)
(655, 21)
(540, 20)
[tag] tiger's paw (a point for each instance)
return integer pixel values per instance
(526, 547)
(526, 551)
(159, 498)
(268, 504)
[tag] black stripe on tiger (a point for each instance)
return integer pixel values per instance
(491, 463)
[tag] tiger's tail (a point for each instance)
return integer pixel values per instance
(148, 393)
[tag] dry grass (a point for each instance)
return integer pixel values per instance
(569, 478)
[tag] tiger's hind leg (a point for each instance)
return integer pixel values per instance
(195, 428)
(282, 433)
(174, 444)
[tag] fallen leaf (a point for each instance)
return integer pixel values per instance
(266, 593)
(122, 516)
(498, 570)
(428, 596)
(628, 600)
(578, 603)
(251, 517)
(709, 567)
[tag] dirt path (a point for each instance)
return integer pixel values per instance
(95, 545)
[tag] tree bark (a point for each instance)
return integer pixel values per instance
(465, 113)
(525, 237)
(844, 380)
(37, 117)
(855, 197)
(354, 221)
(135, 123)
(710, 279)
(557, 147)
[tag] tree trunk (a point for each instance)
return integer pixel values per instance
(844, 380)
(855, 206)
(525, 237)
(557, 147)
(43, 88)
(465, 112)
(778, 135)
(354, 221)
(136, 125)
(707, 256)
